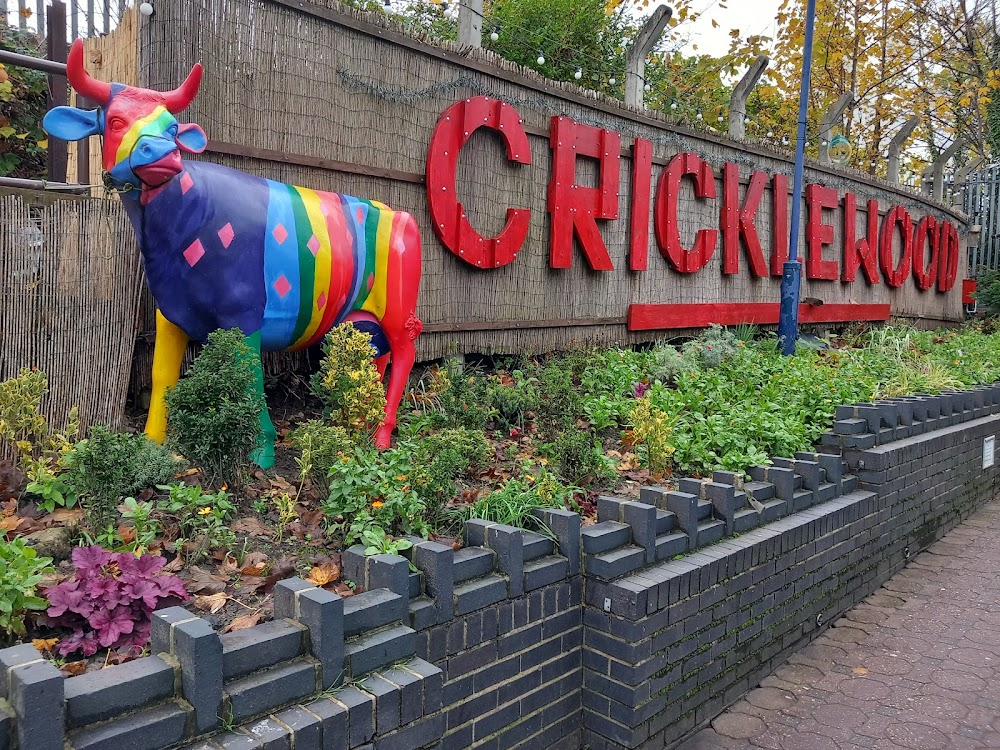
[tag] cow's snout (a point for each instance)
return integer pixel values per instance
(156, 160)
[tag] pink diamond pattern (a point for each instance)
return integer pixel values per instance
(280, 234)
(281, 286)
(194, 252)
(321, 301)
(324, 209)
(226, 234)
(361, 215)
(313, 245)
(186, 183)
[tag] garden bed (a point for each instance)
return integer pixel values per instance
(490, 439)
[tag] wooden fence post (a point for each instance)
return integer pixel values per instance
(470, 22)
(741, 92)
(896, 146)
(635, 59)
(56, 50)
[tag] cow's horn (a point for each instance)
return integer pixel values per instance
(91, 88)
(182, 96)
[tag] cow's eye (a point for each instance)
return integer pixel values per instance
(117, 123)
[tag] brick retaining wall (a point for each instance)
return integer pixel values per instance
(627, 633)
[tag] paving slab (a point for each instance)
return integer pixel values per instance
(915, 666)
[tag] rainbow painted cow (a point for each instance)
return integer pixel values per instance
(225, 249)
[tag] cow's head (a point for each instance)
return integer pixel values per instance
(142, 138)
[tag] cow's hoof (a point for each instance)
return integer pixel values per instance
(383, 438)
(264, 456)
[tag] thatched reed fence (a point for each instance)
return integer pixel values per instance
(72, 280)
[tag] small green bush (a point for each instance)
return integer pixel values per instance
(579, 458)
(463, 397)
(213, 412)
(513, 398)
(109, 466)
(513, 503)
(347, 381)
(202, 518)
(322, 446)
(21, 570)
(988, 291)
(443, 457)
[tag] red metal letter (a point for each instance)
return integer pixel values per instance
(573, 207)
(897, 215)
(738, 221)
(948, 257)
(927, 230)
(860, 253)
(454, 128)
(642, 176)
(819, 234)
(668, 235)
(779, 224)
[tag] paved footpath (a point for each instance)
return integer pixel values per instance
(915, 666)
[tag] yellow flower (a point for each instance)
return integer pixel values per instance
(204, 511)
(955, 362)
(401, 478)
(377, 504)
(345, 459)
(529, 478)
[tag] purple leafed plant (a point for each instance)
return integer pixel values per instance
(639, 389)
(110, 600)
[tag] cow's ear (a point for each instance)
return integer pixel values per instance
(70, 123)
(191, 138)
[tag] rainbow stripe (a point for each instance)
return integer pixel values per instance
(325, 256)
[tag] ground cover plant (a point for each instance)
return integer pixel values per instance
(493, 439)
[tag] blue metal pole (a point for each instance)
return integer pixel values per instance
(791, 276)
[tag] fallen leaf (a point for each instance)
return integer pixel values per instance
(186, 473)
(73, 668)
(174, 565)
(322, 575)
(252, 527)
(244, 622)
(127, 533)
(122, 655)
(344, 590)
(859, 670)
(204, 582)
(254, 564)
(10, 523)
(44, 644)
(66, 515)
(280, 570)
(211, 602)
(228, 566)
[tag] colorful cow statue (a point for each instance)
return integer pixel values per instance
(225, 249)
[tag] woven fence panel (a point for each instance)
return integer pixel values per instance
(72, 279)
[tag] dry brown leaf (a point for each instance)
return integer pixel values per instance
(244, 622)
(859, 670)
(280, 570)
(186, 473)
(252, 527)
(127, 533)
(211, 602)
(322, 575)
(254, 564)
(10, 523)
(44, 644)
(202, 581)
(66, 515)
(73, 668)
(174, 565)
(229, 566)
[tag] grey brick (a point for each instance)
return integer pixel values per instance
(479, 593)
(272, 688)
(284, 597)
(35, 692)
(372, 609)
(508, 543)
(566, 526)
(389, 572)
(306, 728)
(473, 562)
(380, 649)
(150, 729)
(387, 702)
(246, 651)
(437, 561)
(641, 518)
(614, 564)
(103, 694)
(417, 735)
(361, 715)
(322, 612)
(605, 536)
(332, 716)
(410, 687)
(162, 620)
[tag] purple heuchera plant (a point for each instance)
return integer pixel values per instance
(110, 600)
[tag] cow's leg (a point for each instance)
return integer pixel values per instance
(168, 351)
(264, 455)
(380, 364)
(403, 355)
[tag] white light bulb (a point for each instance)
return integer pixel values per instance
(770, 134)
(612, 80)
(541, 59)
(146, 9)
(699, 115)
(746, 120)
(784, 140)
(719, 118)
(578, 74)
(494, 36)
(646, 87)
(673, 105)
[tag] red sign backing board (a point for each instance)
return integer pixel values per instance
(968, 291)
(663, 317)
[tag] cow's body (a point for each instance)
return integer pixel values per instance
(225, 249)
(299, 263)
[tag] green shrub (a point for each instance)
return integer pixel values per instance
(513, 503)
(202, 518)
(21, 570)
(372, 488)
(25, 428)
(443, 457)
(462, 396)
(988, 291)
(513, 398)
(347, 381)
(213, 413)
(559, 399)
(321, 445)
(579, 458)
(109, 466)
